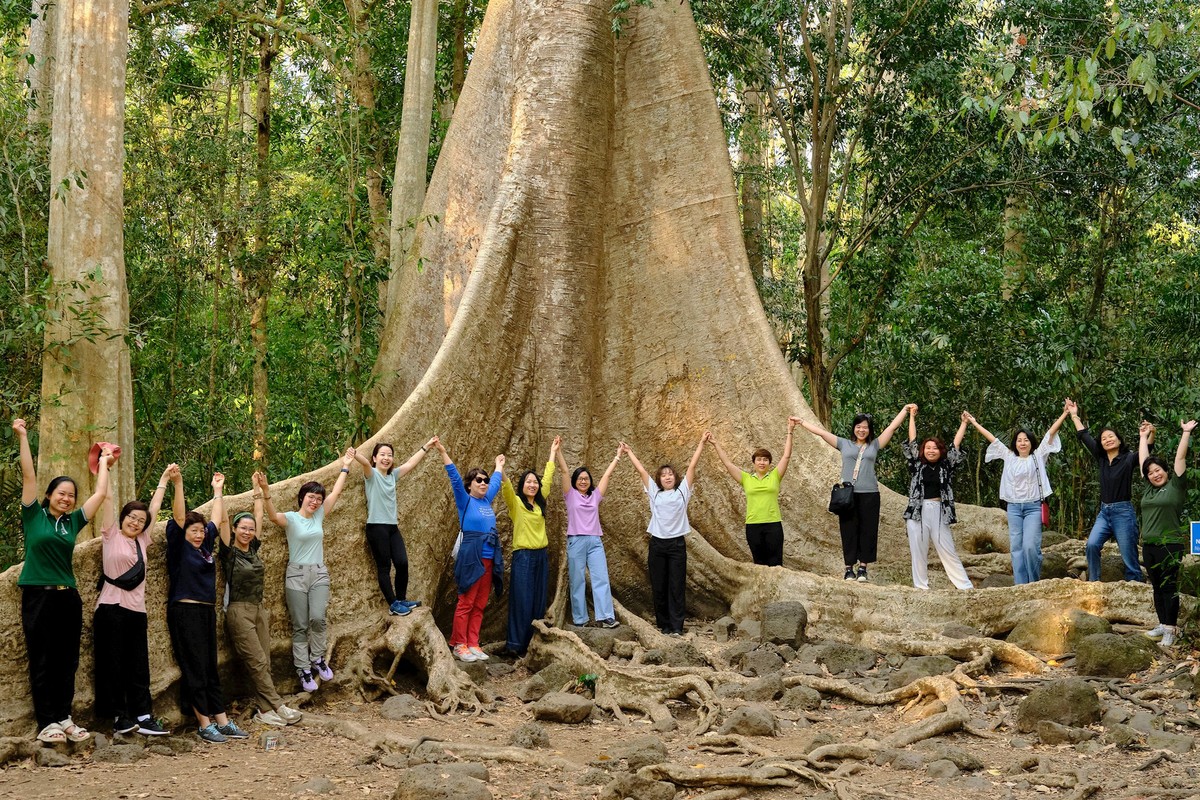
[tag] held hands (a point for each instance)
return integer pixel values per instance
(18, 427)
(175, 474)
(166, 474)
(432, 443)
(218, 482)
(555, 446)
(1071, 407)
(500, 463)
(1146, 430)
(260, 481)
(708, 438)
(912, 409)
(106, 457)
(348, 457)
(967, 416)
(791, 423)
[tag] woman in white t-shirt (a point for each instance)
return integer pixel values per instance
(1023, 486)
(667, 561)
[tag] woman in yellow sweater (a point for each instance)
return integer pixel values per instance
(530, 569)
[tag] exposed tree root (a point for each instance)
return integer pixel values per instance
(775, 774)
(723, 794)
(968, 649)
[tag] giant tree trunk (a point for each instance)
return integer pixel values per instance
(585, 276)
(86, 389)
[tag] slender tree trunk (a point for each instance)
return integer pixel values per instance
(87, 393)
(752, 161)
(458, 58)
(1014, 245)
(263, 261)
(40, 72)
(363, 86)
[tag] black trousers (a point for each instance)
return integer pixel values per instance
(668, 577)
(766, 543)
(387, 548)
(1162, 562)
(193, 628)
(122, 669)
(860, 529)
(53, 622)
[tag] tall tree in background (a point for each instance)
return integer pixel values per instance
(40, 72)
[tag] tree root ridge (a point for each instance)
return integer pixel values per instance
(775, 774)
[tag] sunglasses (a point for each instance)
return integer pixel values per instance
(481, 479)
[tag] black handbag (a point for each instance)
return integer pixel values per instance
(841, 496)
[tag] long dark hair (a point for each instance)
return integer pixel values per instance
(867, 418)
(54, 484)
(575, 477)
(537, 496)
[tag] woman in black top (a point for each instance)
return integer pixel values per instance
(930, 511)
(1116, 518)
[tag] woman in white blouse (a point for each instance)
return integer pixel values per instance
(1023, 486)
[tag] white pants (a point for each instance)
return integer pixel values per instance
(920, 532)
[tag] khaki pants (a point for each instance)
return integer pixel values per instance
(249, 627)
(306, 589)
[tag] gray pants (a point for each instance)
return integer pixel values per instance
(306, 588)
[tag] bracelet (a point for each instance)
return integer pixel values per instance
(257, 496)
(162, 487)
(424, 449)
(345, 469)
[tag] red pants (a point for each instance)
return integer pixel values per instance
(468, 614)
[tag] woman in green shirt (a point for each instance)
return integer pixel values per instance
(51, 609)
(1164, 533)
(764, 520)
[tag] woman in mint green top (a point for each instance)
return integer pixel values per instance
(51, 609)
(1164, 531)
(764, 520)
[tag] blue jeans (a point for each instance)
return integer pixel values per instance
(1025, 540)
(526, 595)
(587, 553)
(1115, 521)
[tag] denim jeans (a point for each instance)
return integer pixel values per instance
(587, 553)
(1116, 520)
(1025, 540)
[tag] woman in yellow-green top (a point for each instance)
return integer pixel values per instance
(530, 569)
(764, 521)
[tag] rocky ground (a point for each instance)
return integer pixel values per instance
(1108, 714)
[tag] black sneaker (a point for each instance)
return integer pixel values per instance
(608, 623)
(862, 573)
(150, 727)
(849, 576)
(124, 725)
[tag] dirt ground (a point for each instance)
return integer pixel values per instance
(1015, 765)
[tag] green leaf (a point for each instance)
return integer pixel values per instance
(1110, 48)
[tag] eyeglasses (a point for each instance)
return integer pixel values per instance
(481, 479)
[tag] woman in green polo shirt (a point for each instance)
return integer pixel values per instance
(51, 610)
(764, 521)
(1164, 533)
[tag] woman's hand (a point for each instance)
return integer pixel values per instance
(791, 423)
(500, 463)
(19, 427)
(555, 446)
(218, 482)
(912, 409)
(1071, 407)
(1189, 426)
(1145, 430)
(968, 417)
(348, 457)
(432, 443)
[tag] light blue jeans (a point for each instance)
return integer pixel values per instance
(1115, 521)
(587, 553)
(1025, 541)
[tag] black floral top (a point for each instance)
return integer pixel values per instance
(916, 488)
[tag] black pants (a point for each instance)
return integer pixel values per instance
(528, 576)
(387, 548)
(668, 577)
(193, 628)
(860, 529)
(122, 669)
(766, 543)
(1162, 562)
(53, 621)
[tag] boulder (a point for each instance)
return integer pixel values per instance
(49, 757)
(630, 785)
(530, 735)
(436, 782)
(939, 751)
(1051, 733)
(942, 769)
(1054, 565)
(534, 688)
(1067, 701)
(751, 720)
(1054, 633)
(841, 658)
(1178, 743)
(784, 623)
(997, 580)
(640, 751)
(920, 667)
(761, 662)
(1111, 655)
(750, 628)
(556, 676)
(562, 707)
(600, 640)
(318, 785)
(957, 630)
(403, 707)
(800, 698)
(763, 689)
(120, 754)
(724, 629)
(684, 654)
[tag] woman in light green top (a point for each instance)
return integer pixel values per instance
(764, 520)
(1164, 532)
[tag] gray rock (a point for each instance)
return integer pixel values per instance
(1114, 715)
(885, 757)
(641, 751)
(49, 757)
(942, 769)
(839, 658)
(1143, 721)
(764, 689)
(654, 656)
(120, 754)
(1019, 743)
(1178, 743)
(476, 671)
(320, 785)
(750, 628)
(665, 725)
(800, 698)
(920, 667)
(600, 640)
(1054, 633)
(684, 654)
(1090, 747)
(807, 741)
(562, 707)
(728, 690)
(532, 689)
(435, 782)
(1067, 701)
(957, 630)
(179, 744)
(1110, 655)
(1123, 736)
(786, 652)
(541, 791)
(1054, 565)
(751, 720)
(402, 707)
(997, 580)
(976, 785)
(530, 735)
(762, 662)
(498, 669)
(907, 761)
(784, 622)
(734, 653)
(1052, 733)
(940, 751)
(160, 750)
(724, 629)
(630, 785)
(395, 761)
(100, 741)
(556, 676)
(594, 776)
(431, 752)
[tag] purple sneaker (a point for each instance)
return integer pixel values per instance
(307, 682)
(322, 669)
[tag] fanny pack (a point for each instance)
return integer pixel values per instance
(131, 578)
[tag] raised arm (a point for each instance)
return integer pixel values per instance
(1058, 423)
(1145, 439)
(363, 462)
(548, 477)
(260, 480)
(815, 430)
(497, 479)
(218, 506)
(1181, 451)
(562, 462)
(912, 422)
(734, 471)
(690, 477)
(415, 458)
(178, 502)
(160, 493)
(602, 486)
(636, 464)
(28, 471)
(962, 430)
(108, 514)
(91, 506)
(787, 447)
(982, 430)
(340, 483)
(446, 459)
(891, 429)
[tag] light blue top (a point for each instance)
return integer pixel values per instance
(306, 537)
(381, 497)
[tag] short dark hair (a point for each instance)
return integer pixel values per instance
(575, 479)
(941, 446)
(1121, 446)
(54, 484)
(661, 470)
(1155, 460)
(761, 452)
(1028, 435)
(537, 496)
(375, 452)
(312, 487)
(193, 518)
(472, 474)
(129, 508)
(867, 418)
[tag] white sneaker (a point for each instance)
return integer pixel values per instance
(269, 718)
(479, 654)
(1168, 637)
(463, 653)
(1156, 632)
(290, 715)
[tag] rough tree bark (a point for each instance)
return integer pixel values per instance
(87, 394)
(40, 73)
(586, 277)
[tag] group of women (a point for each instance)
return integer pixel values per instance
(51, 608)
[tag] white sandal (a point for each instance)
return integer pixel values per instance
(76, 733)
(52, 734)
